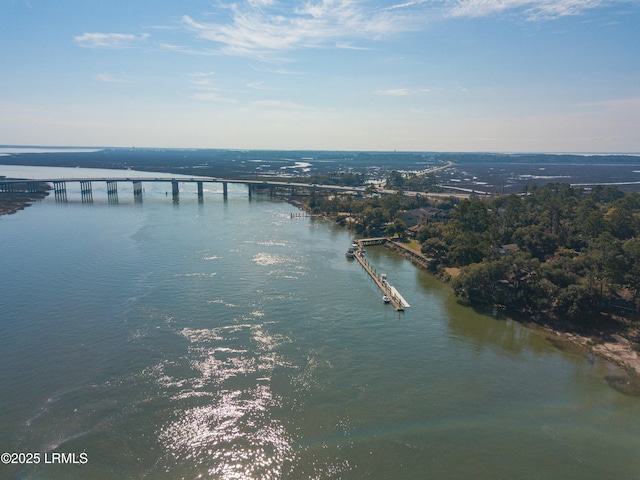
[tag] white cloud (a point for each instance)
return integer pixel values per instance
(260, 3)
(259, 85)
(204, 83)
(277, 104)
(406, 4)
(211, 97)
(264, 28)
(110, 40)
(402, 92)
(187, 50)
(261, 28)
(278, 71)
(348, 46)
(202, 74)
(531, 9)
(110, 78)
(206, 89)
(394, 92)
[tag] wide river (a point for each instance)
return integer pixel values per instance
(224, 339)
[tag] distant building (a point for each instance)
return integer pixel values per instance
(424, 215)
(623, 302)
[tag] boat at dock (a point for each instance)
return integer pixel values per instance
(386, 299)
(353, 250)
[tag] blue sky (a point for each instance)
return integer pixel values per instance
(450, 75)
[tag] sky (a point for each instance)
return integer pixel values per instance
(406, 75)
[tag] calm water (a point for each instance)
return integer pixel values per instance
(225, 340)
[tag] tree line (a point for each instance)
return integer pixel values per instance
(553, 250)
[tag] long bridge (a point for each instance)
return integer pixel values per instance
(86, 185)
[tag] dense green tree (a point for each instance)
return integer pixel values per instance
(630, 202)
(512, 215)
(631, 249)
(472, 216)
(430, 230)
(477, 282)
(435, 248)
(606, 260)
(398, 227)
(576, 303)
(467, 248)
(621, 222)
(590, 222)
(395, 180)
(605, 194)
(536, 240)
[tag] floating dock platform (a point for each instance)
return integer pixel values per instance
(397, 300)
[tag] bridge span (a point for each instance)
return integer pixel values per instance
(86, 185)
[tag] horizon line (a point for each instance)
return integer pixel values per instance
(457, 152)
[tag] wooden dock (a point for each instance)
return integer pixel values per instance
(363, 242)
(398, 302)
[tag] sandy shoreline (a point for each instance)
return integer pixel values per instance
(615, 347)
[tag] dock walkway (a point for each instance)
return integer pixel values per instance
(398, 302)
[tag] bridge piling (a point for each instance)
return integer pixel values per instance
(137, 190)
(112, 191)
(86, 191)
(60, 191)
(175, 190)
(7, 187)
(112, 187)
(200, 190)
(225, 190)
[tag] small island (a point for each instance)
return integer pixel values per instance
(19, 197)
